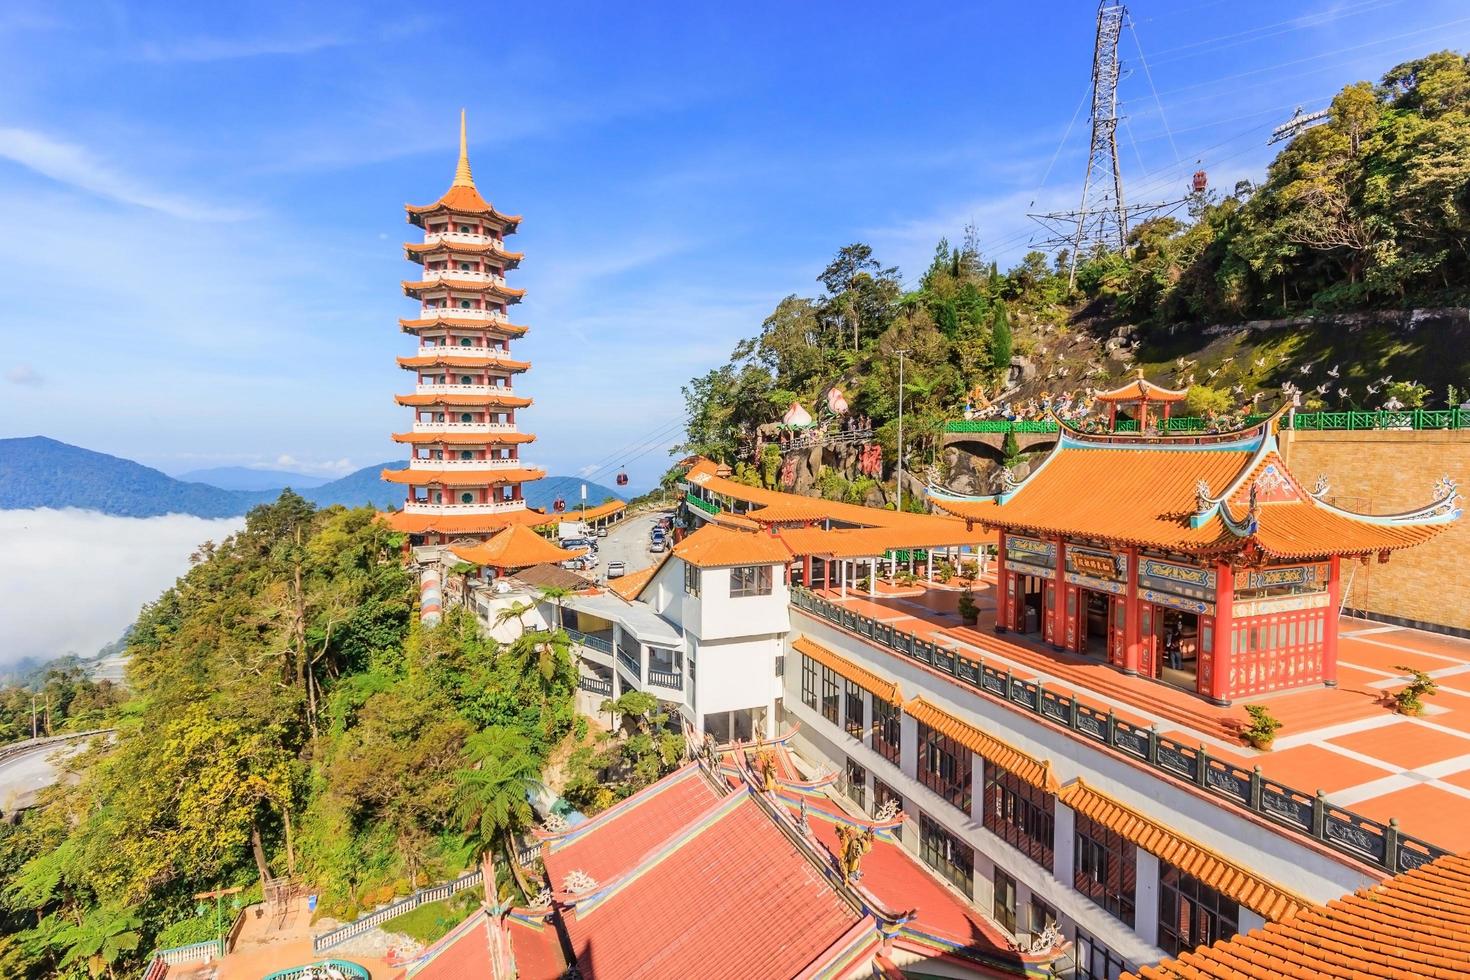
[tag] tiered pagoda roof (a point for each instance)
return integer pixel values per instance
(446, 318)
(467, 400)
(447, 281)
(462, 197)
(464, 477)
(452, 358)
(1201, 494)
(464, 438)
(516, 546)
(1142, 390)
(417, 251)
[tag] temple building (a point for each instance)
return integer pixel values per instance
(465, 470)
(1199, 560)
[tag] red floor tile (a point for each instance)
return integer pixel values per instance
(1423, 811)
(1406, 745)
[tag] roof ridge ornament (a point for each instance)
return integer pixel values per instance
(1322, 486)
(1203, 501)
(462, 175)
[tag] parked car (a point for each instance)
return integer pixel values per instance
(616, 569)
(658, 545)
(602, 532)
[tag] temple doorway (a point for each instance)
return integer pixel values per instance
(1177, 641)
(1095, 625)
(1029, 620)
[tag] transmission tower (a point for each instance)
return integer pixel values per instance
(1101, 222)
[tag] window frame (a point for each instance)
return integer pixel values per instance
(1105, 869)
(888, 720)
(1020, 814)
(691, 580)
(751, 581)
(1211, 916)
(830, 694)
(946, 767)
(809, 682)
(852, 698)
(857, 783)
(951, 857)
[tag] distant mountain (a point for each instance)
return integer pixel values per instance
(246, 478)
(41, 472)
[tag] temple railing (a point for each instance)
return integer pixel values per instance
(630, 664)
(703, 505)
(1340, 829)
(377, 917)
(1415, 418)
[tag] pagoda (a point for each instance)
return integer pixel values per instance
(465, 472)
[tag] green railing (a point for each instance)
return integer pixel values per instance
(703, 505)
(346, 969)
(1416, 418)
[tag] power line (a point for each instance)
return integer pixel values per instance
(1266, 30)
(1149, 75)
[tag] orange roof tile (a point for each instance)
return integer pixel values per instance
(1416, 924)
(587, 514)
(879, 687)
(713, 546)
(464, 360)
(866, 542)
(516, 547)
(1024, 767)
(419, 249)
(1145, 491)
(458, 523)
(462, 286)
(1219, 872)
(1141, 389)
(507, 401)
(462, 323)
(463, 478)
(462, 196)
(464, 438)
(631, 585)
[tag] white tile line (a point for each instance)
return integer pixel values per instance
(1364, 758)
(1445, 767)
(1414, 650)
(1450, 788)
(1370, 789)
(1376, 629)
(1333, 731)
(1439, 728)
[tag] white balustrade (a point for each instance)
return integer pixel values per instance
(489, 353)
(486, 427)
(500, 507)
(453, 312)
(463, 390)
(434, 238)
(466, 464)
(464, 275)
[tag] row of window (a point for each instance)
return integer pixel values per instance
(745, 581)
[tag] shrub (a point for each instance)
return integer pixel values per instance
(1261, 731)
(1410, 701)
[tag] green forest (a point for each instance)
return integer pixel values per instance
(1368, 211)
(287, 716)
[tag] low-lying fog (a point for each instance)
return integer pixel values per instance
(72, 580)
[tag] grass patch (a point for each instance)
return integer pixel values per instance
(432, 920)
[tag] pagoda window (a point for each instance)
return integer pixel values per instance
(466, 417)
(466, 342)
(466, 498)
(464, 304)
(438, 497)
(466, 454)
(464, 267)
(464, 229)
(465, 379)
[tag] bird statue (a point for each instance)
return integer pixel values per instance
(1260, 362)
(1212, 373)
(1305, 369)
(1373, 389)
(1342, 393)
(1237, 390)
(1321, 389)
(1332, 371)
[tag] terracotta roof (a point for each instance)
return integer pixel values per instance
(507, 401)
(461, 285)
(464, 360)
(463, 478)
(458, 523)
(551, 576)
(463, 952)
(988, 747)
(1145, 491)
(713, 546)
(631, 585)
(1219, 872)
(463, 323)
(419, 249)
(1141, 389)
(462, 196)
(864, 542)
(591, 514)
(877, 686)
(515, 547)
(464, 438)
(1416, 924)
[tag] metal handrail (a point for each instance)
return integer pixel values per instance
(1340, 829)
(359, 926)
(1412, 418)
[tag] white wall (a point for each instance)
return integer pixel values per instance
(721, 616)
(735, 674)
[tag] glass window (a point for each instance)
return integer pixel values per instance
(808, 682)
(829, 694)
(464, 304)
(780, 665)
(887, 729)
(1095, 961)
(1105, 868)
(944, 853)
(466, 454)
(691, 580)
(944, 766)
(1020, 814)
(1192, 913)
(750, 580)
(1004, 905)
(852, 708)
(1039, 916)
(857, 784)
(466, 498)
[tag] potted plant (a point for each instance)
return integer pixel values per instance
(1261, 732)
(969, 612)
(1410, 701)
(944, 571)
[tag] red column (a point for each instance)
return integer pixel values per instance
(1217, 687)
(1130, 616)
(1002, 588)
(1112, 416)
(1329, 628)
(1059, 637)
(1167, 406)
(1142, 416)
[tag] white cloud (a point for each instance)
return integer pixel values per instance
(49, 612)
(78, 167)
(231, 48)
(24, 374)
(327, 467)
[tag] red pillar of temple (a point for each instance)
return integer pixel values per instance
(1216, 686)
(1002, 587)
(1112, 416)
(1130, 617)
(1060, 639)
(1329, 628)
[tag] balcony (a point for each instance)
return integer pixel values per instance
(464, 427)
(464, 238)
(596, 685)
(464, 390)
(671, 679)
(489, 353)
(598, 643)
(433, 312)
(496, 507)
(464, 275)
(629, 663)
(466, 464)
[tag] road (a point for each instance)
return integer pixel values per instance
(628, 543)
(23, 776)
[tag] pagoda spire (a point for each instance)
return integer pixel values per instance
(462, 176)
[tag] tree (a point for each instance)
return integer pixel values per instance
(492, 798)
(556, 595)
(1000, 342)
(100, 938)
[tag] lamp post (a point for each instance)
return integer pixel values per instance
(899, 505)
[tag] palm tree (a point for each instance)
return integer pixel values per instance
(491, 799)
(517, 611)
(554, 594)
(543, 656)
(102, 936)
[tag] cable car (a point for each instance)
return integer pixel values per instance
(559, 505)
(1200, 181)
(622, 479)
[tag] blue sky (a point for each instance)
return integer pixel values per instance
(203, 202)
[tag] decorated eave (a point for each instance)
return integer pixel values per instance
(1142, 390)
(462, 197)
(418, 251)
(450, 284)
(465, 401)
(501, 365)
(459, 438)
(1154, 491)
(463, 478)
(414, 325)
(456, 523)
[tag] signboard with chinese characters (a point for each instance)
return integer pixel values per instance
(1302, 578)
(1094, 569)
(1032, 552)
(1188, 581)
